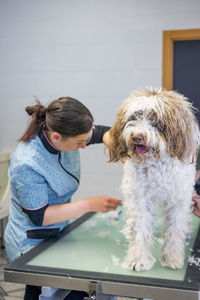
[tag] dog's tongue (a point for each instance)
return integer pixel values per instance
(140, 149)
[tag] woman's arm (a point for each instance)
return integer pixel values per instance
(62, 212)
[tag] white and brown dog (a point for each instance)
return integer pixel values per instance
(157, 134)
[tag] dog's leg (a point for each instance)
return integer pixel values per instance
(139, 233)
(177, 228)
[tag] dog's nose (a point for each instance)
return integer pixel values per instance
(138, 139)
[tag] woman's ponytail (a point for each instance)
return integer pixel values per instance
(38, 113)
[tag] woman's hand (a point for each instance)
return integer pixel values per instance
(196, 210)
(67, 211)
(106, 138)
(103, 204)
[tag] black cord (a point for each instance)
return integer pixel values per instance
(59, 160)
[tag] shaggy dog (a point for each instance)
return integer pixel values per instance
(157, 135)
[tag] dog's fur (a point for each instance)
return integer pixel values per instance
(157, 135)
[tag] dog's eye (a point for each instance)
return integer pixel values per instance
(160, 126)
(137, 115)
(133, 118)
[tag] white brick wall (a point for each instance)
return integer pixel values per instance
(93, 50)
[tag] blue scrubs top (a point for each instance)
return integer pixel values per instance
(37, 180)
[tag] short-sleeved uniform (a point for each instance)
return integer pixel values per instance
(39, 176)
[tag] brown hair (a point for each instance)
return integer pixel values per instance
(67, 116)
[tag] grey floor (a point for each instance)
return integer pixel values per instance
(8, 291)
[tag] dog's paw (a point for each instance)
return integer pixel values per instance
(139, 263)
(172, 260)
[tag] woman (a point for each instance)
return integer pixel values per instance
(44, 174)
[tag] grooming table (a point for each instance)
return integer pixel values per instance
(88, 256)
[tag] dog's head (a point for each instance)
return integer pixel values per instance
(154, 122)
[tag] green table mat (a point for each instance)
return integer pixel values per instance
(98, 245)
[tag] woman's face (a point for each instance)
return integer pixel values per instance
(71, 143)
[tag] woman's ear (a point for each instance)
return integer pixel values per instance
(55, 137)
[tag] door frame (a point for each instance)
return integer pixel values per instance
(169, 37)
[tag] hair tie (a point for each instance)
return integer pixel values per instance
(41, 114)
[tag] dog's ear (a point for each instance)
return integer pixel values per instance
(117, 146)
(181, 130)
